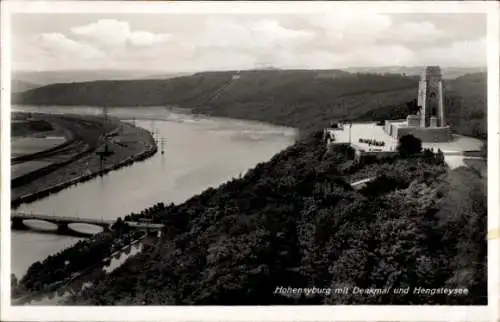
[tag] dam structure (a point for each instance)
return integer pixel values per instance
(427, 122)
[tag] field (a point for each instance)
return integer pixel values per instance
(77, 161)
(30, 127)
(18, 170)
(31, 134)
(29, 145)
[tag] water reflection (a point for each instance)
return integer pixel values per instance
(63, 294)
(40, 225)
(86, 228)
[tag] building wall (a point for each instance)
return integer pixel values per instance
(387, 127)
(423, 100)
(438, 134)
(434, 122)
(414, 120)
(431, 96)
(421, 93)
(442, 120)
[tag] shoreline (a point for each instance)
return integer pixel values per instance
(286, 131)
(125, 119)
(69, 139)
(25, 297)
(85, 162)
(155, 108)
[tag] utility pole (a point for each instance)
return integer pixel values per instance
(350, 127)
(107, 151)
(106, 123)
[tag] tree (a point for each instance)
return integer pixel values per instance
(428, 154)
(439, 157)
(118, 224)
(409, 145)
(13, 281)
(412, 107)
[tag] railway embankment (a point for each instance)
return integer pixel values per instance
(128, 144)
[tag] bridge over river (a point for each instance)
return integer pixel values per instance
(63, 228)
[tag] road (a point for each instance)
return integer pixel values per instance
(455, 161)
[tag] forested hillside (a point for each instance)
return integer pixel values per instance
(295, 222)
(466, 104)
(447, 72)
(465, 101)
(304, 99)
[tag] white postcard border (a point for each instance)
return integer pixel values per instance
(263, 313)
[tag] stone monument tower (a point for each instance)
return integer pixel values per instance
(428, 123)
(430, 98)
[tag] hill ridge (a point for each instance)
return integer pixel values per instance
(304, 99)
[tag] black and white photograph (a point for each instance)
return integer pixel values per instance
(305, 158)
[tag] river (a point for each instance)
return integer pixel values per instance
(200, 152)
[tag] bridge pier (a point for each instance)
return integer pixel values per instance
(18, 224)
(63, 229)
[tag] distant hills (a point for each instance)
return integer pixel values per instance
(295, 219)
(43, 78)
(448, 72)
(277, 96)
(304, 99)
(18, 86)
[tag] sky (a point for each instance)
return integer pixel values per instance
(195, 42)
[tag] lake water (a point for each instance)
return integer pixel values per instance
(200, 152)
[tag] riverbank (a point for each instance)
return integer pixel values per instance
(201, 152)
(210, 225)
(101, 265)
(128, 143)
(34, 135)
(232, 245)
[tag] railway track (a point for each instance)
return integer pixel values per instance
(86, 136)
(83, 133)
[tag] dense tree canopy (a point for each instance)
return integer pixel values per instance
(295, 221)
(408, 145)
